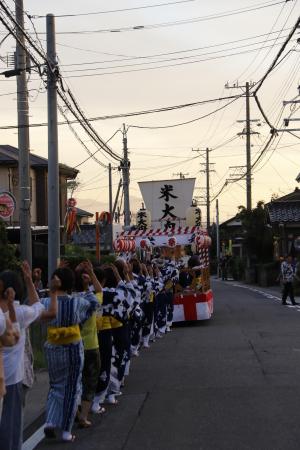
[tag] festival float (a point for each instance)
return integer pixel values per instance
(169, 225)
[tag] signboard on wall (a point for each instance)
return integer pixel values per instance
(167, 201)
(7, 205)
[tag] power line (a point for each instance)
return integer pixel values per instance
(156, 55)
(164, 66)
(78, 113)
(188, 121)
(96, 13)
(276, 59)
(92, 155)
(178, 58)
(130, 114)
(224, 14)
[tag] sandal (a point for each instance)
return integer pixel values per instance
(83, 423)
(70, 440)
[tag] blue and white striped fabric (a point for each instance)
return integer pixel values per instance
(65, 362)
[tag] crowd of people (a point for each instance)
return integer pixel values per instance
(97, 319)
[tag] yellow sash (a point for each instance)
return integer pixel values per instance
(63, 335)
(107, 323)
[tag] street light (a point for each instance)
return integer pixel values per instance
(12, 73)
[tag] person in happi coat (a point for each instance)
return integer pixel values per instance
(170, 274)
(160, 304)
(141, 325)
(65, 354)
(121, 335)
(114, 310)
(148, 308)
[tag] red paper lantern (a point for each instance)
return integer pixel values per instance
(172, 242)
(119, 245)
(132, 245)
(144, 244)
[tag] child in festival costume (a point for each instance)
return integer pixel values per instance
(64, 354)
(148, 307)
(11, 428)
(170, 274)
(114, 309)
(121, 336)
(87, 281)
(160, 306)
(143, 287)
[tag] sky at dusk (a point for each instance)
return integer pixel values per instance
(126, 75)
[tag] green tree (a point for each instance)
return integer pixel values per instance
(258, 236)
(8, 258)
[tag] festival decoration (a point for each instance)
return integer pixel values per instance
(145, 244)
(119, 245)
(172, 242)
(132, 245)
(193, 216)
(71, 225)
(199, 241)
(105, 218)
(7, 205)
(143, 219)
(202, 241)
(124, 245)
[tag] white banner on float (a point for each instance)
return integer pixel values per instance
(162, 241)
(168, 200)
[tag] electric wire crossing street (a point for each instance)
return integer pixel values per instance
(149, 225)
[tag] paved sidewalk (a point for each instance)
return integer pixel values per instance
(35, 402)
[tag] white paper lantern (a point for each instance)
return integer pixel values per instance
(193, 216)
(143, 219)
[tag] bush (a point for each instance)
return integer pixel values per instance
(75, 254)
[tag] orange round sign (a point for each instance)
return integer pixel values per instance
(7, 205)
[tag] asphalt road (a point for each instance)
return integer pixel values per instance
(231, 383)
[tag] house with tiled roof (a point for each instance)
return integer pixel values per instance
(284, 216)
(9, 181)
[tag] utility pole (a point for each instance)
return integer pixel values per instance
(207, 170)
(290, 118)
(218, 236)
(23, 139)
(247, 132)
(248, 150)
(110, 205)
(207, 191)
(53, 163)
(180, 175)
(125, 166)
